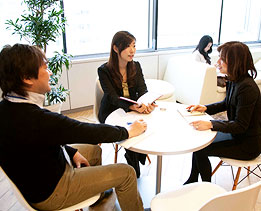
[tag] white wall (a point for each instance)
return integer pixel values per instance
(80, 79)
(82, 75)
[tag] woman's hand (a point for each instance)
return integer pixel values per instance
(201, 125)
(143, 108)
(139, 108)
(136, 128)
(150, 108)
(78, 159)
(200, 108)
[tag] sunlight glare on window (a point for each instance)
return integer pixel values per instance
(183, 23)
(244, 23)
(92, 25)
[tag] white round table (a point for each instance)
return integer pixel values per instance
(168, 133)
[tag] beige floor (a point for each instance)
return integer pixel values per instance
(175, 171)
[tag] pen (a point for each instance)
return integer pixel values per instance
(129, 123)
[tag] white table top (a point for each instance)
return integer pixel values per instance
(168, 132)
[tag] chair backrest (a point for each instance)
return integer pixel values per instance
(10, 197)
(238, 200)
(194, 82)
(98, 96)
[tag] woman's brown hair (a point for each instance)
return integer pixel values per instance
(238, 58)
(121, 40)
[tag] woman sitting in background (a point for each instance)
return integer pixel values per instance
(203, 48)
(240, 136)
(201, 54)
(121, 76)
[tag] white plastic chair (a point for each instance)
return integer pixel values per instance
(205, 196)
(11, 198)
(240, 164)
(98, 97)
(97, 103)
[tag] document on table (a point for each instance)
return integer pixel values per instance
(132, 141)
(193, 116)
(185, 112)
(121, 118)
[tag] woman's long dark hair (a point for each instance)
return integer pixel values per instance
(204, 41)
(238, 58)
(121, 40)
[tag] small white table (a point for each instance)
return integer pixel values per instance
(165, 88)
(168, 133)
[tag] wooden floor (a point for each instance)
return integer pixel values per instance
(175, 171)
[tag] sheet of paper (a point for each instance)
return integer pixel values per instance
(184, 112)
(132, 141)
(147, 98)
(121, 118)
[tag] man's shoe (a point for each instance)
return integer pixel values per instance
(104, 195)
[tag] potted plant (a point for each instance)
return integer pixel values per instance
(42, 23)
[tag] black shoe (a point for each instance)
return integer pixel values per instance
(147, 209)
(104, 195)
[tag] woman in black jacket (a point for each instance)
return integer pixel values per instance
(121, 76)
(240, 136)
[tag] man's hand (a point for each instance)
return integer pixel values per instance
(136, 128)
(78, 159)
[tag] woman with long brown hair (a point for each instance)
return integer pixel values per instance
(121, 76)
(240, 136)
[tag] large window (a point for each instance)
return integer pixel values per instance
(11, 10)
(92, 24)
(243, 23)
(169, 23)
(183, 23)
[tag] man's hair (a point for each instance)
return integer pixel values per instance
(17, 63)
(238, 58)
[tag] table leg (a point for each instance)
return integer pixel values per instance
(158, 176)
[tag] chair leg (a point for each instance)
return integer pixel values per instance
(116, 153)
(248, 170)
(236, 179)
(218, 165)
(149, 159)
